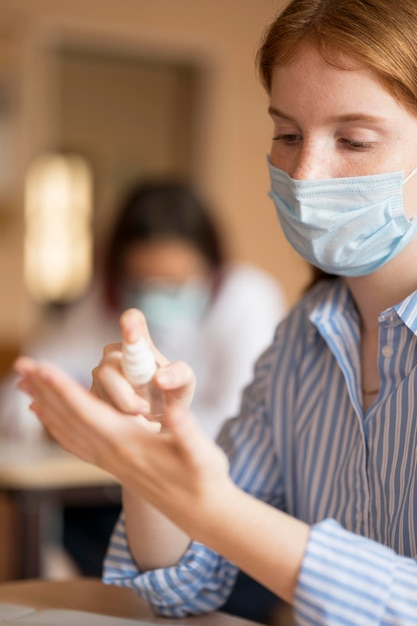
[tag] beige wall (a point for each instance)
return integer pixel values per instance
(131, 117)
(232, 135)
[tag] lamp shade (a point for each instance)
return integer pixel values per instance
(58, 239)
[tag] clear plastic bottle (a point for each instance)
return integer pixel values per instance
(139, 367)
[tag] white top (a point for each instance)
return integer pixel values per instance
(238, 326)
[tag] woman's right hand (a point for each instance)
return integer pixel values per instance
(175, 379)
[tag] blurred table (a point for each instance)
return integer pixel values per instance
(35, 479)
(89, 594)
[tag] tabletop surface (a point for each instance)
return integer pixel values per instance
(44, 465)
(91, 595)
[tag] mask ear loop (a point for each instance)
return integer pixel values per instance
(410, 175)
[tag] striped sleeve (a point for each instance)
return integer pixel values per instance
(200, 582)
(348, 579)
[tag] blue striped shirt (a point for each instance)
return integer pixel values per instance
(303, 444)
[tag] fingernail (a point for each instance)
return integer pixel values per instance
(164, 378)
(19, 367)
(36, 409)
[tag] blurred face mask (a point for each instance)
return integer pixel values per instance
(169, 307)
(345, 226)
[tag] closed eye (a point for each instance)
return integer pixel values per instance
(356, 145)
(288, 138)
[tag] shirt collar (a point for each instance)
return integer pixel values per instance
(407, 311)
(335, 303)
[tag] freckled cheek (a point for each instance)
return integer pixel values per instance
(410, 197)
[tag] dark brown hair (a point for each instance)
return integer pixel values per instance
(152, 211)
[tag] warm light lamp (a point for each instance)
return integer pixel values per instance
(58, 240)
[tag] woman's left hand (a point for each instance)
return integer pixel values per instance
(180, 470)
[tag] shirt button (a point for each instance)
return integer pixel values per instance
(387, 351)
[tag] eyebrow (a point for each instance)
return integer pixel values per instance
(349, 117)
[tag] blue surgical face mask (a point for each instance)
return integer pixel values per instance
(346, 226)
(168, 307)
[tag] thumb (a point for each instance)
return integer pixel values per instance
(190, 439)
(205, 465)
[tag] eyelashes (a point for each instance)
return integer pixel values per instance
(357, 145)
(288, 138)
(292, 139)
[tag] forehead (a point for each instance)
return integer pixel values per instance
(172, 259)
(308, 83)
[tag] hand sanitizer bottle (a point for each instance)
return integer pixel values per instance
(139, 367)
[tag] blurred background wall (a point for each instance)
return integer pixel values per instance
(139, 87)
